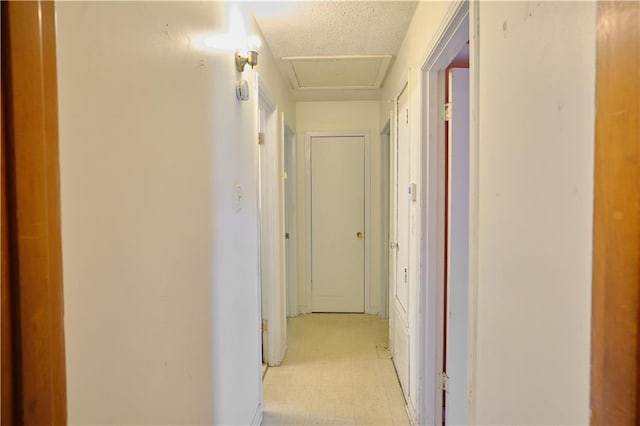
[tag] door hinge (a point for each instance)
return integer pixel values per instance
(406, 275)
(263, 325)
(286, 235)
(394, 245)
(447, 111)
(444, 381)
(407, 110)
(260, 138)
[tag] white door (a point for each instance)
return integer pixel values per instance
(458, 250)
(337, 224)
(401, 336)
(262, 246)
(402, 270)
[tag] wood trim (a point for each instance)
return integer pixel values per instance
(7, 325)
(29, 76)
(616, 239)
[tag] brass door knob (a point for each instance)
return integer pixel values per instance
(359, 234)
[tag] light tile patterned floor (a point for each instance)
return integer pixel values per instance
(337, 371)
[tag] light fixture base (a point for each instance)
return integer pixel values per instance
(250, 58)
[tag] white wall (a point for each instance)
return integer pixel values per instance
(340, 116)
(537, 68)
(157, 262)
(537, 92)
(426, 21)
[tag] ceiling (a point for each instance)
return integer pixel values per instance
(334, 50)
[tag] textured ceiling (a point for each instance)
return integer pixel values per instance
(333, 28)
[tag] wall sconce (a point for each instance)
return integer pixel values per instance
(251, 58)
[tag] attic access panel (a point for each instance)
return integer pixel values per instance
(337, 72)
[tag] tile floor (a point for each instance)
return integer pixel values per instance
(337, 371)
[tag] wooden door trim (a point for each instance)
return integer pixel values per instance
(30, 147)
(7, 390)
(616, 231)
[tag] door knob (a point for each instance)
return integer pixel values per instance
(359, 234)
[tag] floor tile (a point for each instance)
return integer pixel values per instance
(337, 371)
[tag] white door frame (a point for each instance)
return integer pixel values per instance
(367, 212)
(272, 243)
(459, 26)
(289, 146)
(393, 212)
(385, 194)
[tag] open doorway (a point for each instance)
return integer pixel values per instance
(291, 226)
(446, 214)
(456, 249)
(272, 229)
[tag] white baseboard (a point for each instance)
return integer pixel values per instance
(257, 417)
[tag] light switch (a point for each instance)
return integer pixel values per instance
(412, 192)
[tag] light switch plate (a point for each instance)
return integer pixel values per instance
(412, 192)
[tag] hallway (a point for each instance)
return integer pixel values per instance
(337, 371)
(153, 153)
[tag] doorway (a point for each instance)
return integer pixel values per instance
(448, 92)
(263, 297)
(290, 212)
(271, 229)
(455, 321)
(338, 214)
(385, 252)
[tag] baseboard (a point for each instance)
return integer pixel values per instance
(411, 413)
(257, 417)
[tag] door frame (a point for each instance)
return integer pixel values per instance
(367, 212)
(456, 258)
(385, 195)
(615, 320)
(271, 217)
(393, 207)
(291, 211)
(34, 381)
(458, 26)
